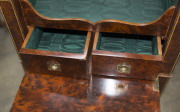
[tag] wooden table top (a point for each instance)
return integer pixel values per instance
(45, 93)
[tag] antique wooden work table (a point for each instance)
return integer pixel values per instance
(105, 61)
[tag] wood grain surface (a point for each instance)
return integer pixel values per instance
(157, 27)
(71, 64)
(15, 21)
(45, 93)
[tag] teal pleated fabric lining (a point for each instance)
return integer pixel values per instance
(33, 2)
(168, 3)
(57, 40)
(128, 43)
(136, 11)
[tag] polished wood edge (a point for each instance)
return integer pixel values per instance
(17, 30)
(43, 21)
(172, 32)
(156, 27)
(53, 53)
(95, 40)
(17, 13)
(171, 48)
(139, 24)
(78, 78)
(88, 39)
(12, 37)
(164, 75)
(127, 55)
(30, 6)
(27, 37)
(119, 78)
(159, 45)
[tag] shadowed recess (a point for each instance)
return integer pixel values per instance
(138, 44)
(57, 40)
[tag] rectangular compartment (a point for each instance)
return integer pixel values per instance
(124, 55)
(56, 52)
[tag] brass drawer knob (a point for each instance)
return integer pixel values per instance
(124, 68)
(53, 66)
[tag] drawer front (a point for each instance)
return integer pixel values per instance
(125, 67)
(124, 55)
(54, 66)
(56, 52)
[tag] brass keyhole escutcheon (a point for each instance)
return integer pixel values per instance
(53, 66)
(124, 68)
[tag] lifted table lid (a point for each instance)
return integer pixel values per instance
(55, 93)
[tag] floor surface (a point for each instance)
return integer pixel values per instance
(11, 74)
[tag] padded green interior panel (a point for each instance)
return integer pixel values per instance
(168, 3)
(57, 40)
(33, 2)
(136, 11)
(128, 43)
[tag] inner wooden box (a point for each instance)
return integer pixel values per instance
(125, 55)
(96, 10)
(56, 52)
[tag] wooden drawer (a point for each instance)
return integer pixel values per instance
(132, 56)
(56, 52)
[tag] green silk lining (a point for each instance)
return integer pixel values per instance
(57, 40)
(136, 11)
(33, 2)
(167, 3)
(128, 43)
(74, 42)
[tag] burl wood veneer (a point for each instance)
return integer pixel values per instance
(157, 27)
(145, 65)
(43, 61)
(39, 92)
(46, 93)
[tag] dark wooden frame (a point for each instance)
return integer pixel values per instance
(171, 49)
(17, 26)
(54, 53)
(58, 23)
(72, 64)
(142, 66)
(157, 27)
(15, 22)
